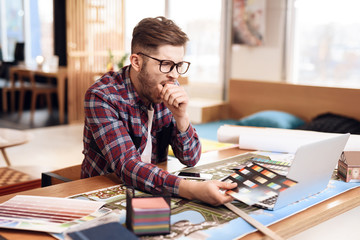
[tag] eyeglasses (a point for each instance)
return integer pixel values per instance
(167, 66)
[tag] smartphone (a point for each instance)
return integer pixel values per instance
(190, 175)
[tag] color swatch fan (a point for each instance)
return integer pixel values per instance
(257, 183)
(150, 216)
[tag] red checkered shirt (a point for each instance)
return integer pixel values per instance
(115, 135)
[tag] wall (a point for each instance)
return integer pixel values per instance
(264, 62)
(92, 29)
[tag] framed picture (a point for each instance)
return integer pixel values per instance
(249, 22)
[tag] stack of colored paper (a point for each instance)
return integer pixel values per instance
(150, 216)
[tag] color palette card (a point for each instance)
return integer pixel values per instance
(49, 214)
(150, 216)
(257, 183)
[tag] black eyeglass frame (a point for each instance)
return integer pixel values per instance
(173, 64)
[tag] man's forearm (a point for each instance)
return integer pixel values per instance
(206, 191)
(182, 123)
(186, 189)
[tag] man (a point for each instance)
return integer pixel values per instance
(133, 115)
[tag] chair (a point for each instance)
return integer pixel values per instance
(1, 55)
(2, 70)
(60, 176)
(24, 82)
(19, 56)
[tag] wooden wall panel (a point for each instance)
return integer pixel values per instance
(93, 27)
(306, 102)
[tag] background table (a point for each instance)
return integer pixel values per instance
(60, 75)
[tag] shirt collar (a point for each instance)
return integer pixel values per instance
(132, 94)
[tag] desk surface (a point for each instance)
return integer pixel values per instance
(286, 228)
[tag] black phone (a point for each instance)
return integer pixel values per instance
(191, 175)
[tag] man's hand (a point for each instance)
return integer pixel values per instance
(176, 99)
(207, 191)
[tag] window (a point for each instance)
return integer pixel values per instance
(11, 27)
(46, 33)
(203, 28)
(326, 48)
(26, 21)
(134, 14)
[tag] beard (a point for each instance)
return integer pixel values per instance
(148, 87)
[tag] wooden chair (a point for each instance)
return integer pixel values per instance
(10, 88)
(19, 56)
(60, 176)
(26, 82)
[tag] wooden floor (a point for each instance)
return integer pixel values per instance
(42, 118)
(51, 146)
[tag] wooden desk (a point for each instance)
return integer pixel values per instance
(60, 75)
(10, 138)
(286, 228)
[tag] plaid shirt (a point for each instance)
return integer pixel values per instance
(115, 135)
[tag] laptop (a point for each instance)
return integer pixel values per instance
(312, 168)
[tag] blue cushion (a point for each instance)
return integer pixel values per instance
(209, 130)
(271, 118)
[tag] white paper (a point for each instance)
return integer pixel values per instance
(276, 139)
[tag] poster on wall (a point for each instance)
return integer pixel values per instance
(249, 22)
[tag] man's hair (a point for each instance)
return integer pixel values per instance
(150, 33)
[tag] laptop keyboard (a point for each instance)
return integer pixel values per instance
(269, 201)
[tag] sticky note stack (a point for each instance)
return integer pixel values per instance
(151, 216)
